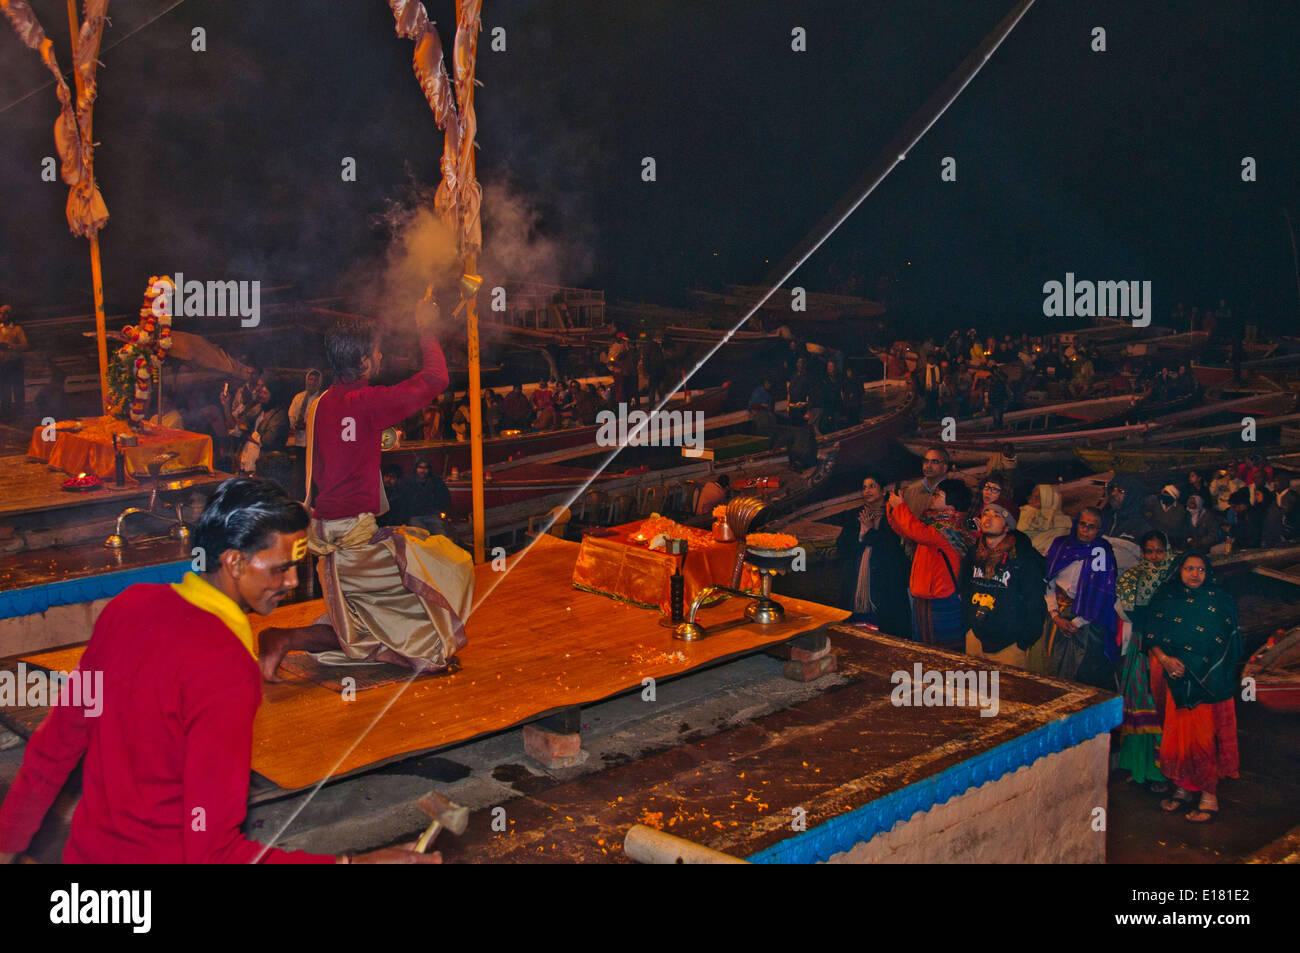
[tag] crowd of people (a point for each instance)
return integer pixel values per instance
(1121, 596)
(966, 375)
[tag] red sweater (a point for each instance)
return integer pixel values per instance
(170, 750)
(350, 420)
(930, 577)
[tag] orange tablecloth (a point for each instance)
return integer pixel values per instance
(627, 570)
(91, 449)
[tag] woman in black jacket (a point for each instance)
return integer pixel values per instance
(874, 586)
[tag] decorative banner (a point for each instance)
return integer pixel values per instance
(86, 211)
(459, 194)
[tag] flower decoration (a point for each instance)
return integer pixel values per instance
(135, 370)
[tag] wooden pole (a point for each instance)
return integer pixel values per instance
(471, 319)
(96, 272)
(475, 417)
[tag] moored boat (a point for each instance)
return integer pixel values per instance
(1030, 448)
(446, 455)
(1275, 669)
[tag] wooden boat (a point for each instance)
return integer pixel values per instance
(1156, 461)
(539, 477)
(1030, 448)
(1276, 671)
(446, 455)
(1049, 418)
(821, 307)
(621, 497)
(860, 444)
(1187, 341)
(1208, 375)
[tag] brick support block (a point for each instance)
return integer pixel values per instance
(800, 653)
(808, 671)
(551, 749)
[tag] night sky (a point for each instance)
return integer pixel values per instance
(1122, 165)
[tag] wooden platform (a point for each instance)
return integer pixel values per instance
(28, 486)
(854, 763)
(536, 646)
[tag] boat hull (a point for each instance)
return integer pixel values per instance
(444, 456)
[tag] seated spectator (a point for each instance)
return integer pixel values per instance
(1205, 525)
(516, 410)
(586, 405)
(269, 426)
(52, 399)
(1247, 528)
(1169, 516)
(426, 499)
(714, 493)
(299, 406)
(460, 421)
(1041, 518)
(397, 514)
(544, 406)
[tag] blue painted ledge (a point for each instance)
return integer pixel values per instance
(32, 599)
(863, 823)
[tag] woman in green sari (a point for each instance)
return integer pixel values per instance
(1139, 732)
(1191, 635)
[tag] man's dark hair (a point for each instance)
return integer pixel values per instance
(245, 514)
(724, 481)
(347, 342)
(957, 493)
(393, 470)
(275, 388)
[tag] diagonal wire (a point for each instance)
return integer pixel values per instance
(894, 153)
(50, 82)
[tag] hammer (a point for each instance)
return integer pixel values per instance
(445, 813)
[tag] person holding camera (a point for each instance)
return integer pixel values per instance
(1002, 586)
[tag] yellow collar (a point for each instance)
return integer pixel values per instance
(209, 598)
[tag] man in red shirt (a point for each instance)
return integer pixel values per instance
(392, 594)
(168, 752)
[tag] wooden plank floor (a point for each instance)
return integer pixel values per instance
(536, 645)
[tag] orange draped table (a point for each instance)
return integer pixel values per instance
(628, 570)
(90, 450)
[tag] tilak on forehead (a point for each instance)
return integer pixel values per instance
(300, 549)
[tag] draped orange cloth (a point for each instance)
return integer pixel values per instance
(1198, 746)
(91, 450)
(627, 570)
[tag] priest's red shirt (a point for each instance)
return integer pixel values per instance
(168, 756)
(350, 420)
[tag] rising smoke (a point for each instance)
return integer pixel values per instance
(422, 249)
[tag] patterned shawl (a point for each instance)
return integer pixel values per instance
(1138, 584)
(953, 527)
(1095, 598)
(1199, 628)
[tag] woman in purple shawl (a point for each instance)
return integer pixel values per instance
(1080, 631)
